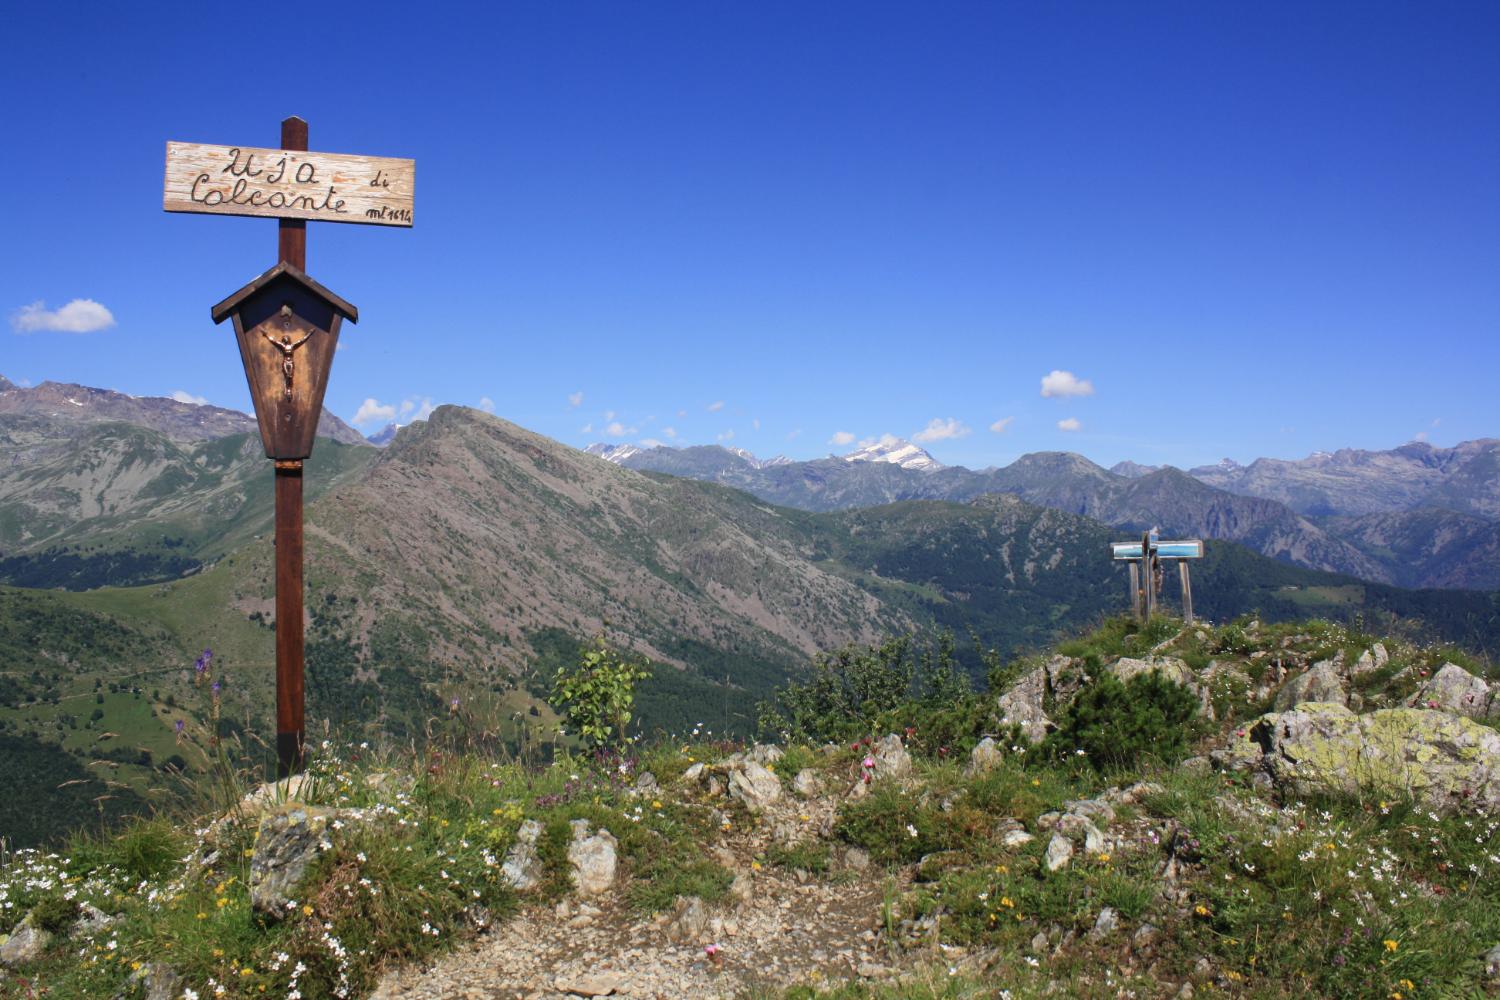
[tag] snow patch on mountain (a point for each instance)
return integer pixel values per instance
(896, 451)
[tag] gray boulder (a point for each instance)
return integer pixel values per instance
(522, 868)
(891, 758)
(287, 841)
(1059, 852)
(1321, 683)
(1371, 660)
(753, 785)
(592, 858)
(1454, 689)
(1022, 705)
(25, 944)
(986, 756)
(806, 783)
(1448, 762)
(689, 920)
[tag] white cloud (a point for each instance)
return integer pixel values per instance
(715, 407)
(187, 397)
(1069, 424)
(670, 432)
(792, 434)
(609, 414)
(682, 413)
(78, 316)
(884, 439)
(411, 409)
(841, 438)
(372, 410)
(586, 429)
(755, 423)
(941, 430)
(575, 398)
(652, 443)
(486, 404)
(1002, 425)
(1060, 384)
(1419, 436)
(726, 436)
(617, 429)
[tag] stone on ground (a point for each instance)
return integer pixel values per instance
(592, 858)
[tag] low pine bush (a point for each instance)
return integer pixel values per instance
(1115, 724)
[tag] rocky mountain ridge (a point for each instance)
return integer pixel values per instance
(178, 421)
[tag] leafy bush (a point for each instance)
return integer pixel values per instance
(858, 690)
(596, 694)
(1115, 724)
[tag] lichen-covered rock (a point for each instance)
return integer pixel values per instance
(891, 758)
(1022, 705)
(522, 868)
(753, 785)
(1454, 689)
(286, 842)
(1321, 683)
(592, 858)
(986, 756)
(1448, 762)
(25, 944)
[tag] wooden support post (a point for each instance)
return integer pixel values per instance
(289, 696)
(291, 248)
(1187, 591)
(1148, 572)
(1135, 589)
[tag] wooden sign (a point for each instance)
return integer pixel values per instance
(1192, 549)
(288, 184)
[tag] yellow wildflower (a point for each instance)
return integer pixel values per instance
(1390, 945)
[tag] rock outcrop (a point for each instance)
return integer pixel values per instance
(1447, 762)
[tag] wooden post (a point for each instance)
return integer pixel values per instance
(1135, 589)
(1187, 591)
(291, 248)
(1149, 578)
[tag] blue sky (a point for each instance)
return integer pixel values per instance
(1251, 229)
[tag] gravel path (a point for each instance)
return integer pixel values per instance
(778, 932)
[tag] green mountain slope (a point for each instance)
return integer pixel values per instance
(88, 504)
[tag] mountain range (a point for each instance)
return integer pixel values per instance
(471, 557)
(1446, 538)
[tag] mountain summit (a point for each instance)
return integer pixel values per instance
(896, 451)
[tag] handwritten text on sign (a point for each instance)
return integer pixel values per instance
(287, 184)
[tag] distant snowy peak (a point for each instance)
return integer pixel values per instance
(383, 437)
(895, 451)
(759, 463)
(620, 454)
(616, 453)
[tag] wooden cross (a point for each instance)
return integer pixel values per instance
(1145, 561)
(277, 318)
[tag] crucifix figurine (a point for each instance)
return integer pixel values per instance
(286, 345)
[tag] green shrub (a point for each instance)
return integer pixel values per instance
(54, 914)
(861, 690)
(596, 694)
(1115, 724)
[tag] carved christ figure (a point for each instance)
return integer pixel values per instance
(286, 345)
